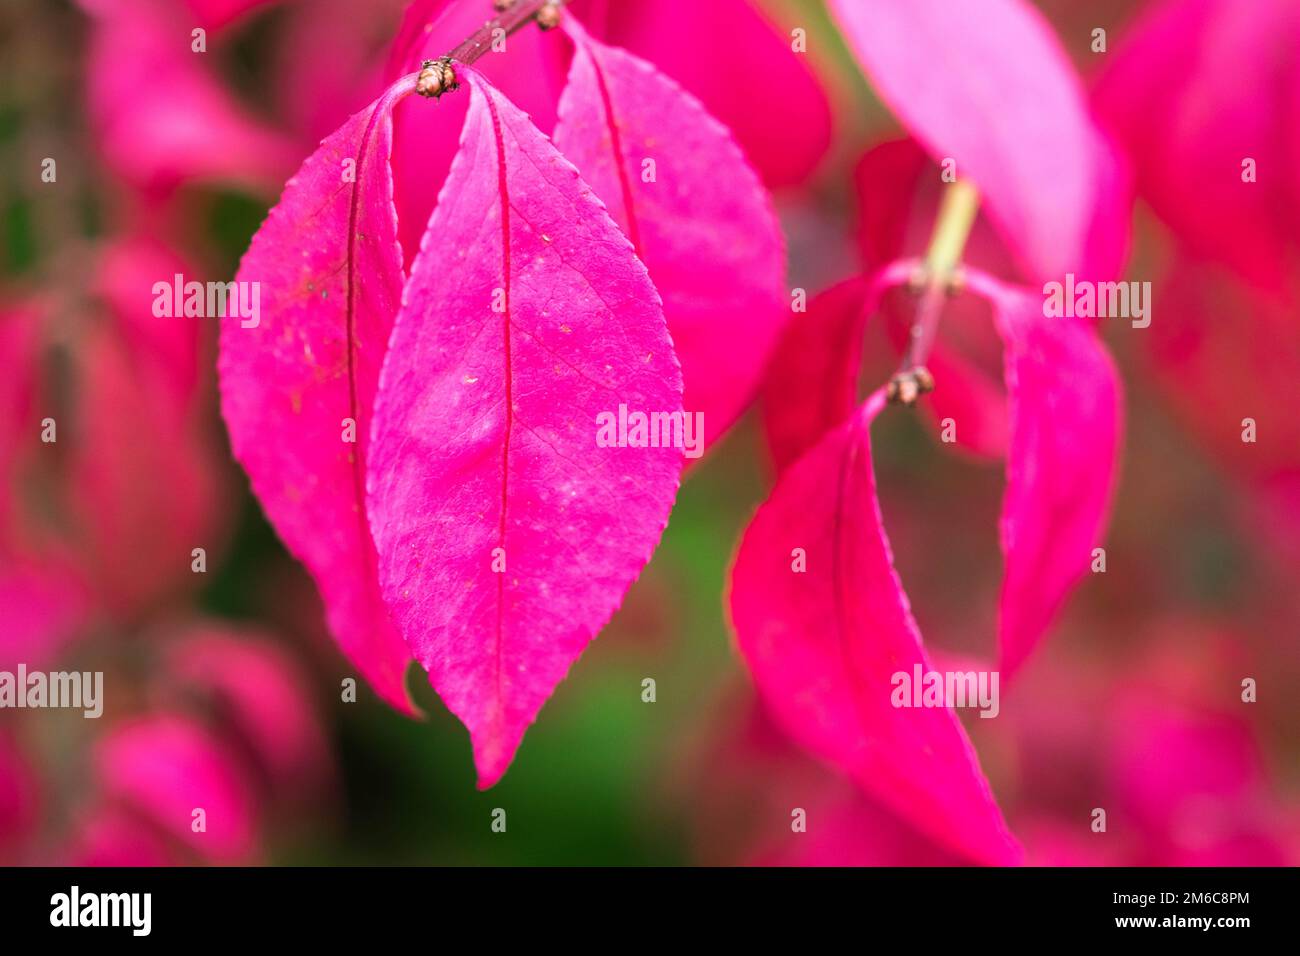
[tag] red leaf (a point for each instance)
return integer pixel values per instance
(823, 644)
(485, 431)
(330, 274)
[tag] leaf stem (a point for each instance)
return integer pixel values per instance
(437, 77)
(938, 277)
(511, 19)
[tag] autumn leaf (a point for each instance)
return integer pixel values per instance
(677, 184)
(506, 535)
(823, 623)
(298, 387)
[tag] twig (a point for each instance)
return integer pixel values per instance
(439, 76)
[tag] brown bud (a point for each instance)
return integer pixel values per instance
(548, 16)
(906, 387)
(436, 77)
(501, 6)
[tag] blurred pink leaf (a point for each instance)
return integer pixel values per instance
(142, 479)
(703, 225)
(20, 798)
(417, 29)
(259, 690)
(166, 349)
(352, 36)
(45, 596)
(45, 604)
(112, 836)
(1061, 469)
(753, 764)
(162, 116)
(330, 274)
(989, 86)
(22, 411)
(1195, 89)
(812, 382)
(1213, 149)
(855, 831)
(739, 61)
(1194, 786)
(485, 434)
(215, 14)
(1232, 352)
(970, 397)
(823, 644)
(167, 767)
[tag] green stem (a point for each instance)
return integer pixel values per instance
(939, 276)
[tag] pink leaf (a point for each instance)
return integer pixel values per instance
(169, 352)
(45, 598)
(312, 101)
(257, 690)
(142, 479)
(812, 382)
(421, 21)
(166, 767)
(215, 14)
(703, 225)
(1233, 350)
(784, 128)
(857, 832)
(823, 644)
(113, 836)
(20, 799)
(486, 424)
(45, 605)
(988, 85)
(970, 396)
(529, 74)
(23, 406)
(162, 118)
(1190, 131)
(330, 274)
(1065, 430)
